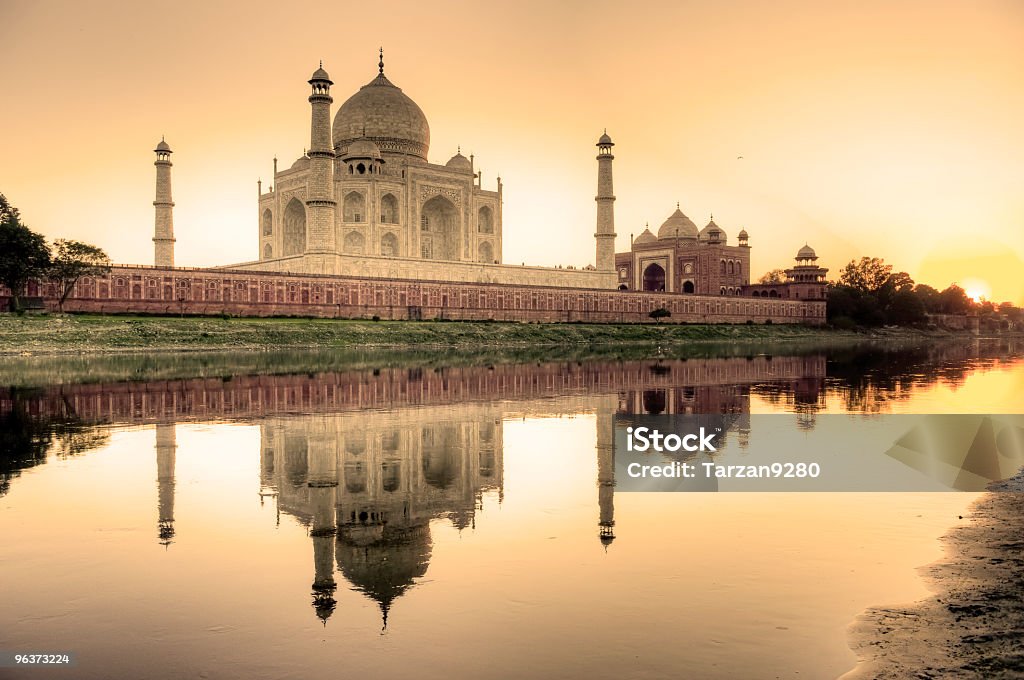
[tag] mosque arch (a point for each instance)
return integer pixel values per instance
(354, 207)
(294, 228)
(355, 243)
(440, 218)
(688, 287)
(268, 251)
(388, 209)
(730, 267)
(486, 252)
(485, 221)
(389, 245)
(654, 278)
(268, 223)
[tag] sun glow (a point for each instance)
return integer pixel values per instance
(977, 289)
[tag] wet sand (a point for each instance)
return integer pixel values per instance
(973, 626)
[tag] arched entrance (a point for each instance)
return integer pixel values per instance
(654, 278)
(439, 224)
(688, 287)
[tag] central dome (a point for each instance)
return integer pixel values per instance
(382, 113)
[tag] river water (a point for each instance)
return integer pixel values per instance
(445, 519)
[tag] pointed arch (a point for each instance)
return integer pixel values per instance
(268, 223)
(388, 209)
(486, 252)
(354, 207)
(654, 278)
(389, 245)
(268, 252)
(355, 243)
(294, 228)
(485, 221)
(440, 218)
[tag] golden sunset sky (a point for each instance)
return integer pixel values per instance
(892, 129)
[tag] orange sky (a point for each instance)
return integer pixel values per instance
(892, 129)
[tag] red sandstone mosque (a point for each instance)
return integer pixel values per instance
(364, 225)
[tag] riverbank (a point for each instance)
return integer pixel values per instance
(973, 625)
(114, 334)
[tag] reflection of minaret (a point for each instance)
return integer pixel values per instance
(606, 469)
(323, 485)
(165, 447)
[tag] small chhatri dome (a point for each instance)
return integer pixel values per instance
(163, 146)
(806, 253)
(605, 140)
(711, 232)
(743, 234)
(645, 237)
(321, 74)
(678, 225)
(460, 162)
(363, 148)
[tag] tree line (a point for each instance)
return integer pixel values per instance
(25, 256)
(869, 293)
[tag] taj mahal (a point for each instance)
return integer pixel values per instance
(364, 225)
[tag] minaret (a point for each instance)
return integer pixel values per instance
(163, 233)
(606, 473)
(166, 443)
(323, 483)
(605, 235)
(320, 203)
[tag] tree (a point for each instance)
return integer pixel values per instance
(955, 301)
(867, 276)
(71, 261)
(23, 253)
(772, 277)
(659, 314)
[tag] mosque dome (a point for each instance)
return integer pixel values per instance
(163, 146)
(605, 140)
(320, 74)
(300, 162)
(384, 114)
(459, 162)
(362, 148)
(806, 253)
(743, 234)
(712, 232)
(678, 225)
(645, 237)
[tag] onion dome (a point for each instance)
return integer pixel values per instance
(321, 74)
(301, 162)
(163, 146)
(645, 237)
(605, 140)
(806, 253)
(743, 234)
(712, 233)
(460, 163)
(678, 225)
(382, 112)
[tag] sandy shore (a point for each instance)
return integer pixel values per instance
(973, 626)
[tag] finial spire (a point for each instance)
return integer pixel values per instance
(677, 205)
(380, 64)
(458, 149)
(321, 63)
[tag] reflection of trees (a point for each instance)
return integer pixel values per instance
(26, 439)
(869, 379)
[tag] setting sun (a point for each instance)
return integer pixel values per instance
(977, 289)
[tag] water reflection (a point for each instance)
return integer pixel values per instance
(379, 479)
(368, 485)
